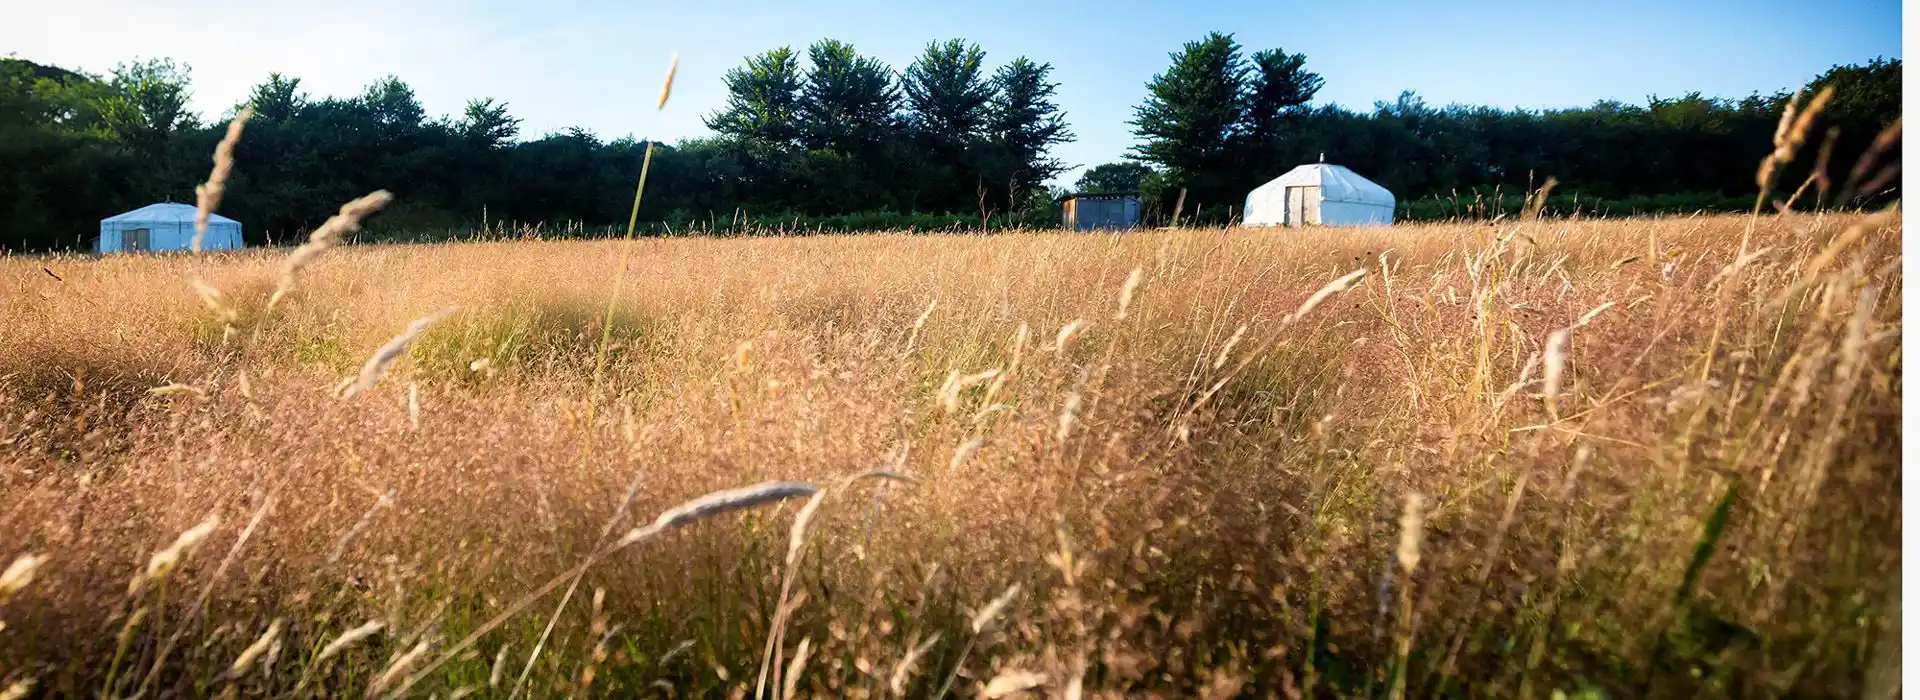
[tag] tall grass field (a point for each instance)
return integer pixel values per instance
(1653, 457)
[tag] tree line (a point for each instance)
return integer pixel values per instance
(1219, 122)
(830, 137)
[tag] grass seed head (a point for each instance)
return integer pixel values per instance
(1126, 292)
(993, 609)
(17, 690)
(376, 366)
(1013, 681)
(253, 652)
(349, 638)
(1412, 520)
(164, 561)
(904, 670)
(327, 236)
(209, 193)
(19, 574)
(666, 87)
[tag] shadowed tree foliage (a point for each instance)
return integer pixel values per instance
(1278, 89)
(763, 100)
(1193, 115)
(1113, 177)
(1026, 124)
(947, 98)
(849, 102)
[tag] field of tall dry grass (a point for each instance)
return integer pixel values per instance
(1538, 456)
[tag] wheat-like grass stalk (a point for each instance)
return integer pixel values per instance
(1881, 144)
(963, 451)
(1556, 363)
(340, 548)
(987, 614)
(903, 671)
(1556, 358)
(707, 506)
(1012, 681)
(1069, 412)
(1126, 292)
(717, 503)
(619, 515)
(18, 690)
(1412, 524)
(325, 237)
(1178, 426)
(164, 561)
(1013, 366)
(794, 668)
(206, 591)
(209, 193)
(173, 389)
(399, 668)
(19, 575)
(253, 652)
(956, 385)
(1848, 236)
(216, 302)
(348, 639)
(376, 366)
(796, 542)
(921, 321)
(1226, 350)
(1067, 331)
(666, 86)
(979, 624)
(499, 666)
(1790, 133)
(121, 643)
(600, 361)
(339, 644)
(1343, 283)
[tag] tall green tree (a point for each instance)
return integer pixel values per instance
(147, 110)
(1278, 89)
(849, 101)
(278, 99)
(1026, 123)
(1192, 114)
(486, 124)
(946, 99)
(947, 92)
(763, 100)
(150, 103)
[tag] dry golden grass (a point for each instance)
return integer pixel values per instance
(1502, 460)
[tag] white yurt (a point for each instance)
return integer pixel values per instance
(1319, 193)
(166, 226)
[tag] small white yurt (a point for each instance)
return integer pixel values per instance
(165, 226)
(1319, 193)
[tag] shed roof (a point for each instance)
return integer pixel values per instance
(167, 211)
(1096, 195)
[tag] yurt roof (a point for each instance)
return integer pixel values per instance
(1336, 183)
(168, 211)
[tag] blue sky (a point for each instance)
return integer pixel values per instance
(598, 63)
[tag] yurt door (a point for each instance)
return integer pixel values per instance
(138, 239)
(1303, 206)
